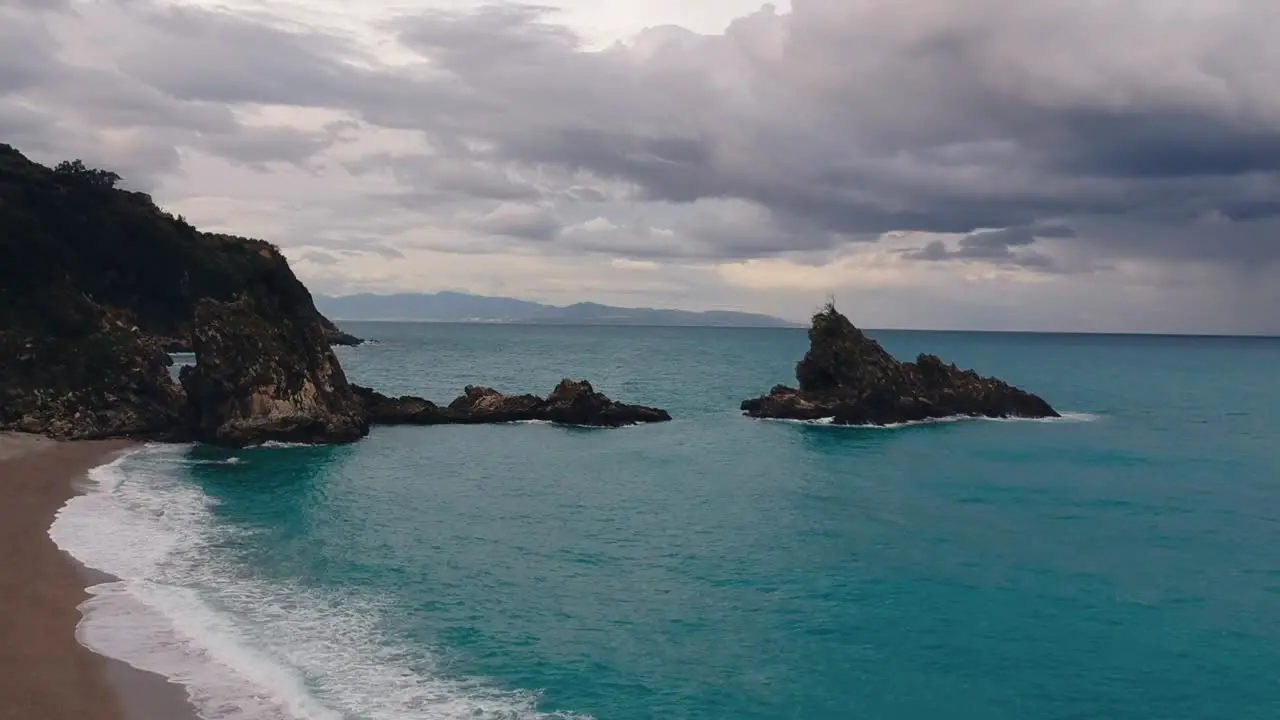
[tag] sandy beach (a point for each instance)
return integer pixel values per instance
(44, 672)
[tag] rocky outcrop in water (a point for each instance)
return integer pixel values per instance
(484, 405)
(573, 402)
(404, 410)
(848, 377)
(577, 403)
(262, 375)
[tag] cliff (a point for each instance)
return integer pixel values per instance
(126, 254)
(95, 282)
(262, 376)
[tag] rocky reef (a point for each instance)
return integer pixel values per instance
(850, 378)
(572, 402)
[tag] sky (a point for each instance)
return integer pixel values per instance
(1069, 165)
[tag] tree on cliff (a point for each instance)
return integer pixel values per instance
(77, 170)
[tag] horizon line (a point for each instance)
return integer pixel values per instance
(802, 326)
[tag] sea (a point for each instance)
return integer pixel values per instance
(1119, 563)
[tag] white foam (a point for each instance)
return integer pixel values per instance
(244, 647)
(1068, 417)
(227, 461)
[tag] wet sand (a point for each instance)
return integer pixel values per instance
(44, 672)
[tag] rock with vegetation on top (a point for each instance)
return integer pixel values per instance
(97, 284)
(848, 377)
(261, 375)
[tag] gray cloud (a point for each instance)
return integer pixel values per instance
(1052, 136)
(939, 118)
(997, 246)
(521, 221)
(257, 146)
(320, 258)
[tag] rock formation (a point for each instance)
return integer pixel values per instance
(69, 370)
(482, 405)
(848, 377)
(262, 375)
(577, 403)
(404, 410)
(97, 283)
(573, 402)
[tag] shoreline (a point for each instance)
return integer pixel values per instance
(44, 670)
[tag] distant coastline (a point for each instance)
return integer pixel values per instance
(454, 307)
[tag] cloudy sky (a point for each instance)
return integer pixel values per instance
(1004, 164)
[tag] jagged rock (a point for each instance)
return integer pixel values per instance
(261, 375)
(403, 410)
(338, 337)
(577, 403)
(571, 403)
(479, 405)
(848, 377)
(183, 344)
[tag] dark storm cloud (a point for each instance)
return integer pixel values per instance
(1004, 246)
(865, 118)
(838, 121)
(166, 89)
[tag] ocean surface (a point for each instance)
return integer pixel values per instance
(1121, 563)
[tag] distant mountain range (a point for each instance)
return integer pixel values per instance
(462, 307)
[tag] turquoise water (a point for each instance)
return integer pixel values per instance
(1117, 564)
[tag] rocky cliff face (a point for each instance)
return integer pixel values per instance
(262, 375)
(573, 402)
(96, 283)
(93, 377)
(848, 377)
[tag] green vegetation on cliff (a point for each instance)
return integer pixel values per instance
(94, 282)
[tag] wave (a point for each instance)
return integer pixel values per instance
(243, 646)
(226, 461)
(1066, 417)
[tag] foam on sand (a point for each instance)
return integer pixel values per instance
(244, 647)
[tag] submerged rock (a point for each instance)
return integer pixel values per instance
(261, 376)
(848, 377)
(573, 402)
